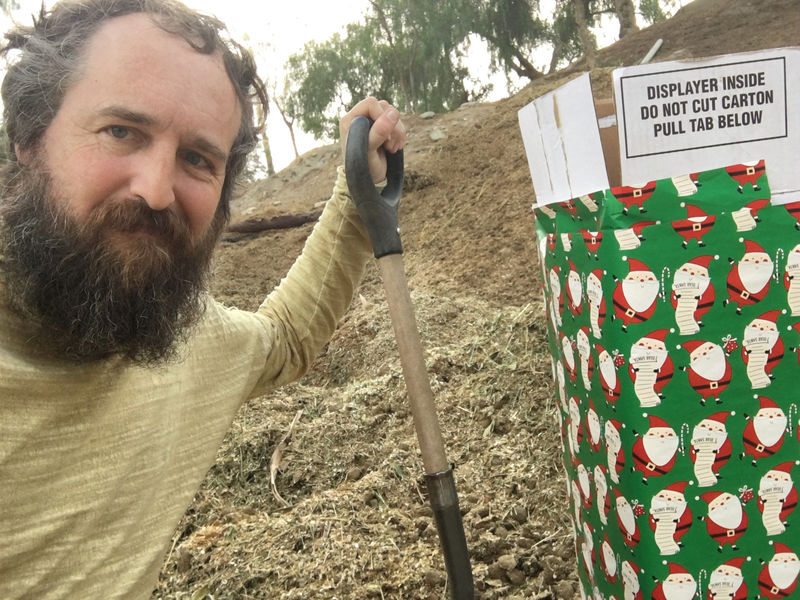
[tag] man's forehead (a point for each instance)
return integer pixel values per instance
(131, 62)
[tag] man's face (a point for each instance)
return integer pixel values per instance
(148, 117)
(111, 222)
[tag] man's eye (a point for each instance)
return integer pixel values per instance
(119, 132)
(196, 160)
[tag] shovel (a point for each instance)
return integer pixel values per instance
(378, 212)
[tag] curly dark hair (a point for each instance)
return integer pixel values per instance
(49, 59)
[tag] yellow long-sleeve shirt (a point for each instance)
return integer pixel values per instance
(99, 462)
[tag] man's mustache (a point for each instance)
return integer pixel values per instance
(133, 215)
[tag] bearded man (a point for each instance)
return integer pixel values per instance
(130, 122)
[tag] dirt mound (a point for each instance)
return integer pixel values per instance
(351, 519)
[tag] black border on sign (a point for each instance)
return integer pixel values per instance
(759, 60)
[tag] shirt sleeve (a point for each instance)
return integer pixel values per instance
(300, 315)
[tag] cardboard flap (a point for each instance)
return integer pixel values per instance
(562, 143)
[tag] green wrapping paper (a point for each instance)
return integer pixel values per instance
(674, 325)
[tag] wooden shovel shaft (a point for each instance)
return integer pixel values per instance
(412, 359)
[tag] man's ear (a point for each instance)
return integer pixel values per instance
(23, 156)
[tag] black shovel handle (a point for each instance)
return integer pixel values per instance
(378, 210)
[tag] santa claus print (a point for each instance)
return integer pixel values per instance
(791, 280)
(692, 294)
(635, 296)
(607, 368)
(561, 384)
(650, 368)
(678, 585)
(764, 432)
(686, 185)
(592, 239)
(615, 453)
(566, 242)
(571, 208)
(626, 520)
(793, 208)
(597, 302)
(588, 202)
(670, 518)
(631, 589)
(726, 520)
(654, 452)
(556, 298)
(727, 582)
(746, 218)
(631, 196)
(574, 426)
(633, 236)
(749, 279)
(778, 577)
(710, 448)
(574, 290)
(587, 551)
(762, 349)
(602, 499)
(594, 432)
(608, 561)
(568, 357)
(746, 174)
(586, 360)
(709, 371)
(777, 497)
(795, 349)
(576, 503)
(584, 485)
(696, 224)
(550, 243)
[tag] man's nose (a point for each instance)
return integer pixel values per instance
(153, 178)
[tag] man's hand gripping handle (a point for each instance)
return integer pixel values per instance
(378, 210)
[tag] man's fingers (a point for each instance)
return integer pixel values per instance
(387, 134)
(384, 130)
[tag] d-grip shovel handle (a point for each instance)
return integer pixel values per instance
(379, 214)
(378, 211)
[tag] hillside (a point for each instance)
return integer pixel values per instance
(357, 524)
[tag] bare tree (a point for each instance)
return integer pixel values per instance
(289, 122)
(587, 37)
(626, 13)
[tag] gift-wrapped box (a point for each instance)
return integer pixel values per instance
(674, 323)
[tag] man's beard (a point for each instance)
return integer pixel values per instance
(129, 281)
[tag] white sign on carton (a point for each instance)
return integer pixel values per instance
(688, 116)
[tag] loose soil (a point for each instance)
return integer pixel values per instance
(349, 518)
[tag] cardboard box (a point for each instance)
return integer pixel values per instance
(673, 305)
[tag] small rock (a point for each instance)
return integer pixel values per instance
(507, 561)
(184, 560)
(519, 514)
(437, 134)
(354, 474)
(434, 578)
(564, 589)
(427, 115)
(516, 577)
(495, 571)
